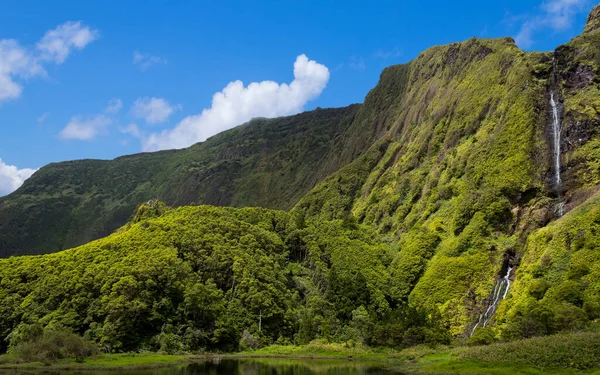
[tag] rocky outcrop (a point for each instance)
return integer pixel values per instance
(593, 20)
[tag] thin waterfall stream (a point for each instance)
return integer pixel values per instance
(560, 208)
(556, 139)
(499, 293)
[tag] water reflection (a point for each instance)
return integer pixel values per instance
(245, 367)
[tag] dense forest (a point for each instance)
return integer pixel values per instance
(439, 208)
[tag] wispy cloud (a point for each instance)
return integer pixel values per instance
(85, 128)
(237, 104)
(114, 106)
(57, 44)
(133, 130)
(43, 117)
(11, 177)
(553, 15)
(18, 63)
(357, 63)
(144, 61)
(386, 54)
(153, 110)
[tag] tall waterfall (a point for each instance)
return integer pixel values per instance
(556, 139)
(556, 134)
(499, 293)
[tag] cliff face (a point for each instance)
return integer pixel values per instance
(577, 67)
(468, 171)
(458, 177)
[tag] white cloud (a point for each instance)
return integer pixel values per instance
(57, 44)
(114, 106)
(237, 104)
(43, 117)
(144, 61)
(85, 129)
(11, 178)
(153, 110)
(15, 62)
(133, 130)
(18, 63)
(555, 15)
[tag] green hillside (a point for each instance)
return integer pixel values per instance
(268, 163)
(434, 210)
(209, 277)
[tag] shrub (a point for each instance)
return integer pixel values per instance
(482, 336)
(170, 343)
(52, 345)
(249, 341)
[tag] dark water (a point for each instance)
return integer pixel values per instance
(245, 367)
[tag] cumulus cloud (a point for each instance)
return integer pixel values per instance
(85, 129)
(144, 61)
(15, 62)
(11, 178)
(114, 106)
(237, 104)
(18, 63)
(153, 110)
(57, 44)
(555, 15)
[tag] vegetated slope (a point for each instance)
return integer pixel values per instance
(467, 168)
(209, 277)
(451, 160)
(466, 147)
(558, 282)
(268, 163)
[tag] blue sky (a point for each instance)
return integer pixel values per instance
(99, 79)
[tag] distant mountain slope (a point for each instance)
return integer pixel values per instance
(269, 163)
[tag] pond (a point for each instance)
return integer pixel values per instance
(244, 367)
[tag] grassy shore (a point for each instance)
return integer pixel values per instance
(570, 354)
(576, 353)
(130, 361)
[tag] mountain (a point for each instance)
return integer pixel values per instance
(470, 166)
(269, 163)
(460, 199)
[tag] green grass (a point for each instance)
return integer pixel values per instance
(575, 353)
(449, 365)
(324, 350)
(102, 362)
